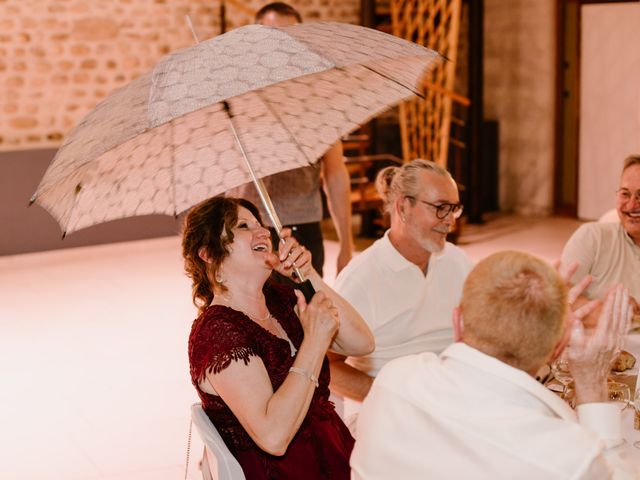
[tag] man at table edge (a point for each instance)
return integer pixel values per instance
(610, 251)
(476, 410)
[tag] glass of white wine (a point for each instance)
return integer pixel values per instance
(636, 418)
(619, 394)
(561, 372)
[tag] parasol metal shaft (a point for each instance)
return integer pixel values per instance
(190, 25)
(305, 285)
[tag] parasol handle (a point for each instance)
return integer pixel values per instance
(305, 285)
(307, 290)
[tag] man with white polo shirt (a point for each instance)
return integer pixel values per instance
(610, 251)
(407, 283)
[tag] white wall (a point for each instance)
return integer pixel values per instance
(609, 101)
(519, 90)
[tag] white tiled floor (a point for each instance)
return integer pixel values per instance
(93, 363)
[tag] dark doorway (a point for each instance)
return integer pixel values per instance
(567, 108)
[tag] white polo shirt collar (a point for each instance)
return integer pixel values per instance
(393, 259)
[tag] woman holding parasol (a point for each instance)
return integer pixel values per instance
(257, 351)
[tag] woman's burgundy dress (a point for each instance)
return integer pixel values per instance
(220, 335)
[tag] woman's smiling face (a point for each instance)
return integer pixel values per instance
(251, 245)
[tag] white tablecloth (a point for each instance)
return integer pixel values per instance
(628, 451)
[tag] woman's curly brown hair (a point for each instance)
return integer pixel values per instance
(209, 224)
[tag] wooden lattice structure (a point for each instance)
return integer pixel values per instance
(241, 12)
(425, 123)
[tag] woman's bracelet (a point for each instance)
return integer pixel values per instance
(306, 374)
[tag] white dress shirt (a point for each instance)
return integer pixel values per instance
(466, 415)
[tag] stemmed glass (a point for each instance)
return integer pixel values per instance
(619, 393)
(561, 372)
(636, 418)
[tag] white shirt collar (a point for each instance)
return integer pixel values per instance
(628, 238)
(490, 365)
(392, 257)
(396, 261)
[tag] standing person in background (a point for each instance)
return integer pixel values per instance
(277, 14)
(407, 283)
(610, 252)
(296, 193)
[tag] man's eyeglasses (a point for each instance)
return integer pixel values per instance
(625, 195)
(443, 209)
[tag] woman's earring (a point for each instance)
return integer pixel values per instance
(219, 278)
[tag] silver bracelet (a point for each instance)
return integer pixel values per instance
(306, 374)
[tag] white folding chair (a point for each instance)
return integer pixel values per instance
(218, 463)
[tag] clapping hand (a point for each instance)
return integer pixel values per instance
(635, 306)
(590, 352)
(588, 315)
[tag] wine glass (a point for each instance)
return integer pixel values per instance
(561, 372)
(570, 397)
(619, 394)
(636, 418)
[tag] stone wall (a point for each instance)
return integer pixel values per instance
(241, 12)
(519, 66)
(59, 58)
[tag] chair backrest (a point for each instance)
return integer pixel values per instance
(221, 462)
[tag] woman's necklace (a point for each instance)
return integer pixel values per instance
(281, 333)
(264, 321)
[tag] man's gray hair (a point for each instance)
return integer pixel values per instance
(630, 161)
(404, 181)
